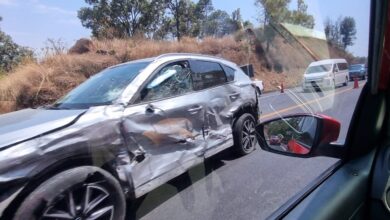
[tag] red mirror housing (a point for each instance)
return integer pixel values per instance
(330, 130)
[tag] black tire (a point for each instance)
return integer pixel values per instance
(69, 189)
(243, 143)
(364, 77)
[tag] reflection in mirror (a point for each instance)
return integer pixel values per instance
(293, 134)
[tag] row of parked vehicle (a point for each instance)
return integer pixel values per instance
(330, 73)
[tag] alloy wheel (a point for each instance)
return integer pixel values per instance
(87, 202)
(248, 135)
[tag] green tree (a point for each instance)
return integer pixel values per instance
(300, 16)
(11, 54)
(185, 18)
(203, 9)
(273, 12)
(340, 33)
(121, 18)
(237, 20)
(219, 24)
(174, 7)
(332, 31)
(348, 31)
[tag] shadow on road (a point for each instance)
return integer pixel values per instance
(147, 203)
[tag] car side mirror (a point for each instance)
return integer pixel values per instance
(301, 135)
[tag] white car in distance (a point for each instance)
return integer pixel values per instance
(326, 74)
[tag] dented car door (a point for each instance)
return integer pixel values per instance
(210, 79)
(165, 127)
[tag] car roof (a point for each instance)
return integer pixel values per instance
(174, 56)
(327, 61)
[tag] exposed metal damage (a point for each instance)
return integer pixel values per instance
(144, 145)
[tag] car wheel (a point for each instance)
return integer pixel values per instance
(244, 134)
(346, 82)
(364, 77)
(79, 193)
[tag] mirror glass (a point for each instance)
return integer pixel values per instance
(291, 134)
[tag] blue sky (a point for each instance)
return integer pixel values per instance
(31, 22)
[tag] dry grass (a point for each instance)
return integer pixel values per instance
(34, 84)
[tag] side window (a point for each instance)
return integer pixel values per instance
(343, 66)
(229, 73)
(335, 68)
(207, 74)
(172, 80)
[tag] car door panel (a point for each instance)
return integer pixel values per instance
(170, 137)
(218, 119)
(210, 78)
(166, 130)
(380, 190)
(342, 196)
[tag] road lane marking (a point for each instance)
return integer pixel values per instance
(270, 96)
(302, 104)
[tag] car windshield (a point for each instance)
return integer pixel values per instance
(103, 88)
(319, 69)
(356, 67)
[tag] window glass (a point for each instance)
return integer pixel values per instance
(343, 66)
(356, 67)
(319, 68)
(335, 67)
(172, 80)
(229, 73)
(102, 88)
(207, 74)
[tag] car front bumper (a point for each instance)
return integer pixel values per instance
(356, 74)
(317, 84)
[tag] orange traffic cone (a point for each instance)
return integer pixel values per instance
(355, 83)
(281, 88)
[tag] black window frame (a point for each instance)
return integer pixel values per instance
(342, 66)
(136, 98)
(225, 68)
(208, 61)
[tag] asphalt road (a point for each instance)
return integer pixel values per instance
(254, 186)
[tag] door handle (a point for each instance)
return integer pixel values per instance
(234, 95)
(151, 109)
(195, 109)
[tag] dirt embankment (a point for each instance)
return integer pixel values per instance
(35, 84)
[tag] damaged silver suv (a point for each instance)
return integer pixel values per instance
(121, 134)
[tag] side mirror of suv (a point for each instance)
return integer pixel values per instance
(301, 135)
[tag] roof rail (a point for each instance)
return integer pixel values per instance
(188, 54)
